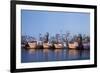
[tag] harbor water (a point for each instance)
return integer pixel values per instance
(47, 55)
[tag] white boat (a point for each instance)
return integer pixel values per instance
(58, 45)
(32, 45)
(47, 45)
(73, 45)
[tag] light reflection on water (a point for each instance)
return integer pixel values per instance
(44, 55)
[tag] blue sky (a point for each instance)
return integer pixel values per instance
(35, 22)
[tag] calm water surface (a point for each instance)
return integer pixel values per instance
(44, 55)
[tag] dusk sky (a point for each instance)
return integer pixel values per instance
(35, 22)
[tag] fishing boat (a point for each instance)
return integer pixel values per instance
(47, 45)
(31, 45)
(22, 45)
(76, 43)
(73, 45)
(58, 45)
(86, 45)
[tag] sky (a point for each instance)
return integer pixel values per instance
(35, 22)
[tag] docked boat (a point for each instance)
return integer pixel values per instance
(58, 45)
(31, 45)
(73, 45)
(46, 45)
(22, 45)
(86, 46)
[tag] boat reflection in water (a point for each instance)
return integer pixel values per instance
(45, 55)
(31, 51)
